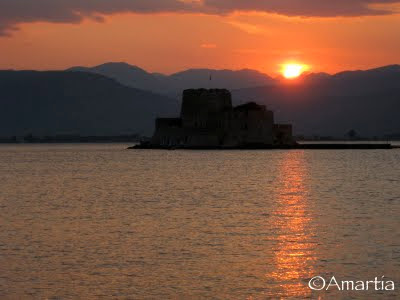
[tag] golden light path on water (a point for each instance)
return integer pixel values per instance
(294, 255)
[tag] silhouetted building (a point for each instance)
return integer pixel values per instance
(208, 119)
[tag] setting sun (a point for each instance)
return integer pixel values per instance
(293, 70)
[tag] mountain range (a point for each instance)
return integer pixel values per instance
(117, 98)
(173, 85)
(57, 102)
(330, 105)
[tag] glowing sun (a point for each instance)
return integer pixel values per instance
(291, 71)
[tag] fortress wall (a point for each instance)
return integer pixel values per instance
(202, 108)
(250, 126)
(283, 134)
(168, 132)
(209, 120)
(203, 140)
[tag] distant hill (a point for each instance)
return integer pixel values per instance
(88, 103)
(366, 101)
(174, 84)
(128, 75)
(75, 102)
(196, 78)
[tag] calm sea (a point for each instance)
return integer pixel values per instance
(102, 222)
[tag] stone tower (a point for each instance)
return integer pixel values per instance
(203, 108)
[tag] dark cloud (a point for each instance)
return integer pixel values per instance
(14, 12)
(305, 8)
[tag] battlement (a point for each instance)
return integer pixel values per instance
(207, 92)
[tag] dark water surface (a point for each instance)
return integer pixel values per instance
(98, 221)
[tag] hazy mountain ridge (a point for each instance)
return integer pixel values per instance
(88, 103)
(367, 101)
(174, 84)
(75, 102)
(126, 74)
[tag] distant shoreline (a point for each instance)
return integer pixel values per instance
(71, 139)
(303, 144)
(314, 146)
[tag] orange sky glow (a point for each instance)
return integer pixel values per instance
(171, 42)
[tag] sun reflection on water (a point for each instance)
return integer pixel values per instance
(294, 254)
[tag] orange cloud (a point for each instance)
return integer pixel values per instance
(208, 46)
(246, 27)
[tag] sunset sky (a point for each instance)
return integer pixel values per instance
(172, 35)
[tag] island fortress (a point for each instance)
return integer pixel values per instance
(208, 120)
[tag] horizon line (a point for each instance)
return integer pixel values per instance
(199, 68)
